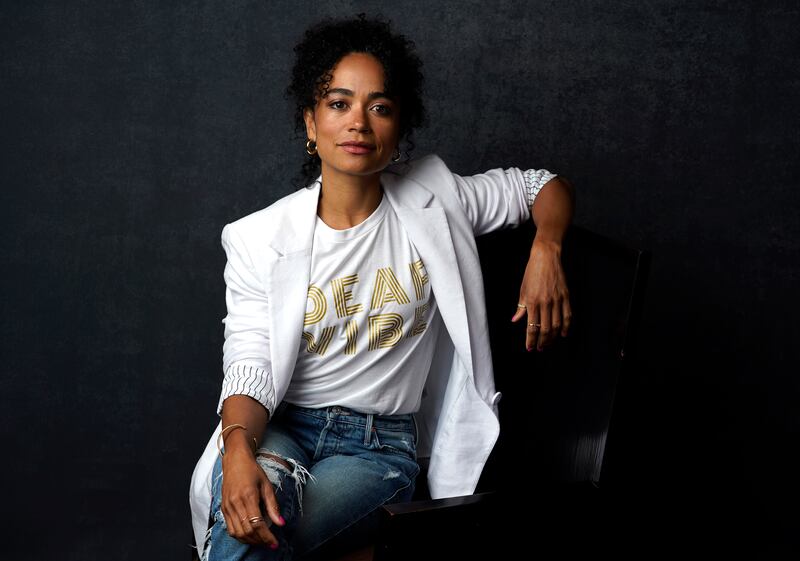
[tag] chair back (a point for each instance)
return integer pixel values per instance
(558, 405)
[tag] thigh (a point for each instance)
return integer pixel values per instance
(281, 440)
(347, 488)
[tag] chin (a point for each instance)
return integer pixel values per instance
(361, 168)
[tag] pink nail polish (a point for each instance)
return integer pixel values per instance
(282, 521)
(273, 546)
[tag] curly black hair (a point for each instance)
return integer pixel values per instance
(321, 48)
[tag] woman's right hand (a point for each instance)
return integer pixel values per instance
(245, 488)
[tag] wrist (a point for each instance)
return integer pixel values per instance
(547, 243)
(237, 439)
(235, 452)
(237, 456)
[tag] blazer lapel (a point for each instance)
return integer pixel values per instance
(288, 281)
(428, 230)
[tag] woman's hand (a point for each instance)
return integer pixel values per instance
(245, 488)
(544, 296)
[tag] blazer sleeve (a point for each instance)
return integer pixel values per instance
(499, 198)
(246, 357)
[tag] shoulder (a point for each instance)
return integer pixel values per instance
(428, 181)
(422, 169)
(266, 230)
(427, 173)
(262, 218)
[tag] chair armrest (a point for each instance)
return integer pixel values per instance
(430, 505)
(433, 529)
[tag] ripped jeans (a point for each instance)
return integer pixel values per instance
(344, 465)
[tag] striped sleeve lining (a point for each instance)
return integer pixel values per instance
(534, 181)
(251, 380)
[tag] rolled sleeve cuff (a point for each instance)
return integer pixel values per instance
(534, 181)
(250, 380)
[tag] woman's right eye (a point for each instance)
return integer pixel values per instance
(334, 104)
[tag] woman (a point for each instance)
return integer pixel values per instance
(355, 339)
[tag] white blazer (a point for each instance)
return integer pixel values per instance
(442, 213)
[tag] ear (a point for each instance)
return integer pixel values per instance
(311, 129)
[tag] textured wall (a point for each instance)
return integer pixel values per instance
(132, 132)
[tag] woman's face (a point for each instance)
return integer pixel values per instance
(355, 109)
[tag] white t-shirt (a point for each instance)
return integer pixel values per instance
(371, 320)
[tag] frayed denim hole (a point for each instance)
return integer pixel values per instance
(272, 468)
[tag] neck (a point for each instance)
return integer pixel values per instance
(348, 200)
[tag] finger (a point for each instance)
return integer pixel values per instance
(532, 331)
(555, 323)
(246, 509)
(520, 312)
(239, 516)
(233, 521)
(272, 507)
(261, 522)
(261, 533)
(255, 524)
(544, 330)
(566, 317)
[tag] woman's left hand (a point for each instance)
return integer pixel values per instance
(545, 296)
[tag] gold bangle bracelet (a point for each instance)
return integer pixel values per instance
(222, 437)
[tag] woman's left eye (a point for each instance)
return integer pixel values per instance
(380, 108)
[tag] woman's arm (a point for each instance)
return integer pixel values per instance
(544, 292)
(502, 198)
(244, 483)
(247, 396)
(552, 211)
(246, 351)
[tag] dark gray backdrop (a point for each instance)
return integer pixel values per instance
(132, 132)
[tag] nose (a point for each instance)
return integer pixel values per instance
(360, 123)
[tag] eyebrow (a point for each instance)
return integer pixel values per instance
(345, 91)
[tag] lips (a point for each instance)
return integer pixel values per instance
(357, 147)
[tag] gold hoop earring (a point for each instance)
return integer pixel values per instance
(397, 159)
(311, 147)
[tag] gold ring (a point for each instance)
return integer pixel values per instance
(256, 519)
(535, 324)
(521, 306)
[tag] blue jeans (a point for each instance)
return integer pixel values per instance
(344, 465)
